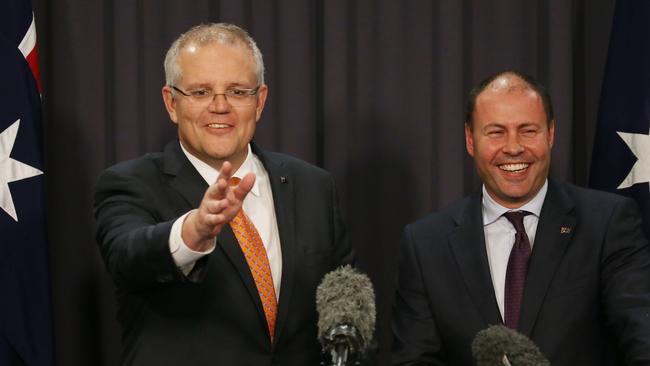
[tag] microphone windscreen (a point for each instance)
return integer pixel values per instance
(491, 344)
(346, 296)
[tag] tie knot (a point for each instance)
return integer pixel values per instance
(516, 218)
(233, 181)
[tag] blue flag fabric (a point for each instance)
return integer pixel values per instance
(25, 306)
(621, 154)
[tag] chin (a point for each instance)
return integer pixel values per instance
(515, 196)
(220, 155)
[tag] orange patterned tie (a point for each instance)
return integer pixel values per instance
(253, 248)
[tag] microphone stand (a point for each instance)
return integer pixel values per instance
(343, 342)
(506, 361)
(340, 355)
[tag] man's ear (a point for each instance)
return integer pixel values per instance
(262, 93)
(551, 132)
(469, 140)
(170, 102)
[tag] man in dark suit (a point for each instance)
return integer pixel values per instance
(581, 293)
(211, 270)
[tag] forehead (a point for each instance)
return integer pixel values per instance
(507, 100)
(216, 62)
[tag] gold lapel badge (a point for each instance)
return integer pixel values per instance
(565, 230)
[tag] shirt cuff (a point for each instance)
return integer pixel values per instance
(183, 256)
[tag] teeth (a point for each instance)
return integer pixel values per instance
(513, 167)
(218, 125)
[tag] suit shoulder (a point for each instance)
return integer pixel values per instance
(137, 165)
(297, 164)
(146, 169)
(442, 220)
(591, 198)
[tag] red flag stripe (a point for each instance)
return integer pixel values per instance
(29, 49)
(32, 60)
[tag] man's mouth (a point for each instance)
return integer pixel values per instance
(218, 125)
(514, 168)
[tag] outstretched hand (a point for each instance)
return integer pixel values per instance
(220, 203)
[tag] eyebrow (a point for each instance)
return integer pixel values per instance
(198, 85)
(228, 86)
(503, 125)
(531, 123)
(493, 125)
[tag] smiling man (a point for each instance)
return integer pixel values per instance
(566, 266)
(215, 245)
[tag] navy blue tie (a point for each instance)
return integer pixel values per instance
(517, 269)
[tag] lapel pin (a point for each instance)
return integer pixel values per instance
(283, 179)
(565, 230)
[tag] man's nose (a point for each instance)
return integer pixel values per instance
(219, 103)
(513, 145)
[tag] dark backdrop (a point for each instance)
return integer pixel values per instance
(372, 90)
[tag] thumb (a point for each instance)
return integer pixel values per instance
(244, 186)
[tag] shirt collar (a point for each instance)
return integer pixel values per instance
(209, 174)
(492, 211)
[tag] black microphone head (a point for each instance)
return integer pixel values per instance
(491, 344)
(346, 297)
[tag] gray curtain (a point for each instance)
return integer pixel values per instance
(371, 90)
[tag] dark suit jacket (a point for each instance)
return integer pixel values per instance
(214, 315)
(587, 292)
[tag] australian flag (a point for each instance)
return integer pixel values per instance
(25, 306)
(621, 155)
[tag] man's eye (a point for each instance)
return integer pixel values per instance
(495, 133)
(200, 93)
(237, 92)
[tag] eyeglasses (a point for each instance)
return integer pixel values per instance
(236, 97)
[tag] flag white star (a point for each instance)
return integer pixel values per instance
(11, 170)
(640, 146)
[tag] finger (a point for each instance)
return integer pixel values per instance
(214, 207)
(223, 181)
(244, 186)
(214, 220)
(227, 210)
(225, 172)
(217, 191)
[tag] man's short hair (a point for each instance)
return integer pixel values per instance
(529, 80)
(223, 33)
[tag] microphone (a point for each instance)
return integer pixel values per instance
(345, 301)
(498, 345)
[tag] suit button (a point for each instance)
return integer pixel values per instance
(165, 278)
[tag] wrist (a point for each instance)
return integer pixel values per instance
(192, 234)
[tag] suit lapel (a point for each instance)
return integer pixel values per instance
(467, 243)
(282, 186)
(554, 232)
(184, 178)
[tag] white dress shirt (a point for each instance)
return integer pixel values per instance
(500, 236)
(258, 206)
